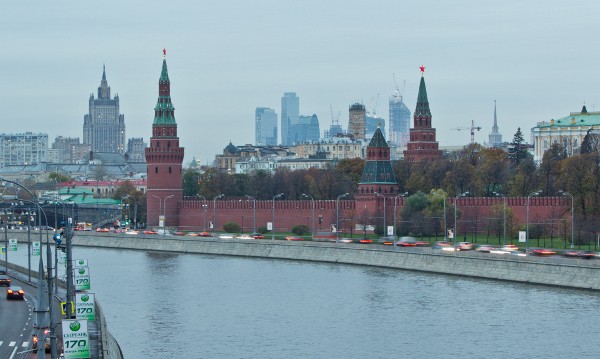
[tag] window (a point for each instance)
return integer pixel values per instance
(169, 169)
(155, 169)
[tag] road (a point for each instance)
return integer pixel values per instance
(16, 323)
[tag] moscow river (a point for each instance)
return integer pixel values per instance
(161, 305)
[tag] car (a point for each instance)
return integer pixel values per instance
(464, 246)
(346, 240)
(365, 240)
(407, 242)
(544, 252)
(571, 253)
(46, 341)
(104, 230)
(293, 238)
(4, 280)
(485, 248)
(149, 232)
(132, 232)
(15, 292)
(226, 236)
(443, 245)
(257, 235)
(245, 236)
(205, 234)
(179, 233)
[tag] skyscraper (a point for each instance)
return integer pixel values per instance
(290, 112)
(265, 127)
(23, 148)
(399, 120)
(357, 121)
(495, 137)
(104, 126)
(306, 129)
(422, 144)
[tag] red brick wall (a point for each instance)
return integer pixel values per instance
(291, 213)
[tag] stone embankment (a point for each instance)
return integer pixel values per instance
(556, 271)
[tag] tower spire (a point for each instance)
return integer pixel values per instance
(164, 112)
(104, 89)
(495, 127)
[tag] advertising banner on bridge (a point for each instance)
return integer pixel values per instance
(522, 236)
(12, 245)
(76, 339)
(84, 306)
(36, 248)
(80, 263)
(81, 277)
(62, 257)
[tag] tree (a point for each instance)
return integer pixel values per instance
(59, 177)
(100, 173)
(517, 151)
(191, 187)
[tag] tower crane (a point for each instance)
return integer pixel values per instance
(472, 128)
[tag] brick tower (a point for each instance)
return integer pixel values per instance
(422, 144)
(163, 159)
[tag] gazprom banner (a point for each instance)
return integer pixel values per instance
(76, 340)
(36, 248)
(84, 306)
(81, 277)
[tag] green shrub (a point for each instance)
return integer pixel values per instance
(262, 230)
(300, 230)
(232, 227)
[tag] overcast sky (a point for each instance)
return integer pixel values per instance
(538, 59)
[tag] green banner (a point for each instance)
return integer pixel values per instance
(76, 340)
(84, 306)
(36, 248)
(12, 245)
(81, 277)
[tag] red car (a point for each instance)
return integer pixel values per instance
(542, 252)
(150, 232)
(257, 236)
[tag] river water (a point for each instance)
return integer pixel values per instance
(161, 305)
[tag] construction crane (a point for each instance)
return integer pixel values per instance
(472, 128)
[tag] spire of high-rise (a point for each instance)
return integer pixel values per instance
(495, 137)
(164, 112)
(104, 89)
(422, 102)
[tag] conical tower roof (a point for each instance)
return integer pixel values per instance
(422, 102)
(164, 112)
(378, 140)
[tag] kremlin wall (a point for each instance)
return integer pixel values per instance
(377, 190)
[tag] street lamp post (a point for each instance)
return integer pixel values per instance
(395, 217)
(337, 216)
(313, 210)
(537, 193)
(445, 225)
(254, 211)
(215, 211)
(134, 210)
(165, 212)
(273, 216)
(565, 193)
(504, 222)
(204, 207)
(455, 206)
(384, 224)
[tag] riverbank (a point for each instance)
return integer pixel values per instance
(573, 273)
(555, 271)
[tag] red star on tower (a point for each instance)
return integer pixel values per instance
(422, 68)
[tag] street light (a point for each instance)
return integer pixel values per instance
(445, 226)
(204, 207)
(313, 210)
(134, 210)
(395, 217)
(254, 210)
(337, 216)
(215, 211)
(565, 193)
(384, 224)
(537, 193)
(504, 197)
(273, 216)
(455, 206)
(163, 206)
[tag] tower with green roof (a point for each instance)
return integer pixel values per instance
(378, 175)
(164, 159)
(422, 145)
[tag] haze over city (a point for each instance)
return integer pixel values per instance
(537, 59)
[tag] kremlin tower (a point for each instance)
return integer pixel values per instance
(422, 144)
(164, 158)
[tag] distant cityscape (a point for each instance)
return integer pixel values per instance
(292, 140)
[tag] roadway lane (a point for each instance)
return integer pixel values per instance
(16, 323)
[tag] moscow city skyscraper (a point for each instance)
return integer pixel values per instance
(399, 120)
(104, 126)
(290, 114)
(265, 127)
